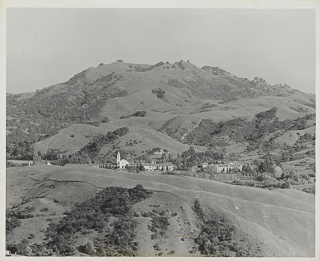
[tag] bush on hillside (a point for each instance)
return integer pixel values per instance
(159, 93)
(136, 114)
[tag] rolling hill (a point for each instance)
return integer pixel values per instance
(174, 99)
(263, 223)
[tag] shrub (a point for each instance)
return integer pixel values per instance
(105, 120)
(260, 178)
(139, 114)
(136, 114)
(159, 93)
(156, 247)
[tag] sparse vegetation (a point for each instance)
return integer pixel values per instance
(90, 151)
(136, 114)
(310, 190)
(159, 92)
(94, 215)
(240, 130)
(12, 221)
(219, 238)
(45, 115)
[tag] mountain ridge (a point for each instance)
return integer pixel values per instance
(181, 65)
(173, 97)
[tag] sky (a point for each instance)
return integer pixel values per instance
(47, 46)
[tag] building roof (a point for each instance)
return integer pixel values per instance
(157, 165)
(222, 165)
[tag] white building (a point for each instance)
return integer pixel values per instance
(159, 152)
(121, 163)
(227, 167)
(160, 167)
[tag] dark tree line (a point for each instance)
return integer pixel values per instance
(191, 158)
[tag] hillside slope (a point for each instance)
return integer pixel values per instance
(171, 97)
(273, 219)
(137, 141)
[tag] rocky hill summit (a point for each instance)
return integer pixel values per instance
(215, 70)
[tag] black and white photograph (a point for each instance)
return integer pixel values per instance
(160, 131)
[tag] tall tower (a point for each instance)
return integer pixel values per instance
(118, 159)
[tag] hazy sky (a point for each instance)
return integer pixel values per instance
(49, 46)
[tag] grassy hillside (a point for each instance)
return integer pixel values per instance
(272, 219)
(138, 140)
(174, 96)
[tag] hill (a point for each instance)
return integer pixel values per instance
(192, 117)
(137, 140)
(171, 98)
(260, 222)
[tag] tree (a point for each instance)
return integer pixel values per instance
(224, 151)
(178, 163)
(263, 167)
(141, 168)
(191, 151)
(164, 158)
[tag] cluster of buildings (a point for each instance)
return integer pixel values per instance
(167, 166)
(223, 167)
(122, 163)
(37, 160)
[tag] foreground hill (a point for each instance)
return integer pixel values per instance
(174, 220)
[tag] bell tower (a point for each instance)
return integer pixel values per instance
(118, 159)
